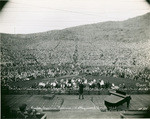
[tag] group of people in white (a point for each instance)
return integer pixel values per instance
(74, 84)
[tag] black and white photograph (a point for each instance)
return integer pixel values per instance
(75, 59)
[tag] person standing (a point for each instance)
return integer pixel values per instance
(81, 86)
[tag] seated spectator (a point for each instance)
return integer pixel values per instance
(41, 85)
(74, 85)
(69, 85)
(107, 85)
(47, 85)
(94, 81)
(114, 87)
(58, 85)
(62, 85)
(22, 111)
(31, 113)
(72, 80)
(98, 85)
(102, 84)
(90, 85)
(53, 84)
(85, 81)
(93, 85)
(123, 86)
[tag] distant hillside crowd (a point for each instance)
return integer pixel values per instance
(115, 49)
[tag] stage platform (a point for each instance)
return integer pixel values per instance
(74, 103)
(69, 106)
(82, 114)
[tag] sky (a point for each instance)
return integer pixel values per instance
(32, 16)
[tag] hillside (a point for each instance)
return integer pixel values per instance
(119, 43)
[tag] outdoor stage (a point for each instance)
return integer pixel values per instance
(69, 106)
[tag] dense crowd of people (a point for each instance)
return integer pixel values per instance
(24, 65)
(28, 68)
(20, 74)
(11, 73)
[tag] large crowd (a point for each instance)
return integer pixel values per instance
(28, 68)
(29, 73)
(12, 73)
(24, 65)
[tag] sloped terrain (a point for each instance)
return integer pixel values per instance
(125, 43)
